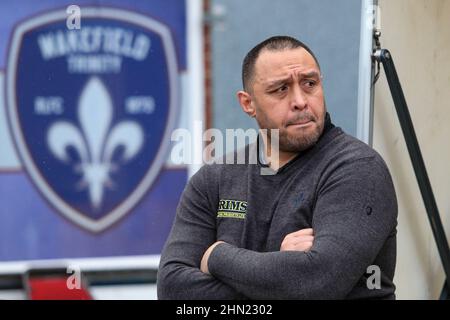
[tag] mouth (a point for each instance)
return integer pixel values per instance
(300, 124)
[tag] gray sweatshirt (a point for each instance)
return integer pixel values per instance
(340, 187)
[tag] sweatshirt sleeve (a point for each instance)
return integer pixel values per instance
(355, 213)
(194, 230)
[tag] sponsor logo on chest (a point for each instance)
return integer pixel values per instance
(236, 209)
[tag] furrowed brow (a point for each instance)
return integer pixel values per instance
(278, 82)
(311, 74)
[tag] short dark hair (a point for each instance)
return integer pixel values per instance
(276, 43)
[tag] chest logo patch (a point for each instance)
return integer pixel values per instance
(235, 209)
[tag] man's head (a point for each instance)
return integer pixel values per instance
(283, 90)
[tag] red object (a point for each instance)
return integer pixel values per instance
(55, 288)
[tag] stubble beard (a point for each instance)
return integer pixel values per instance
(303, 139)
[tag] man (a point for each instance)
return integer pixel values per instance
(322, 227)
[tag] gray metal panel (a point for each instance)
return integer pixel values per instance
(330, 28)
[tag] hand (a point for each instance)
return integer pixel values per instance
(204, 262)
(301, 240)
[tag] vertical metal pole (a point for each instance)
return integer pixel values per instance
(415, 154)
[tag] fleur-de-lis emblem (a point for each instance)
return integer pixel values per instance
(95, 142)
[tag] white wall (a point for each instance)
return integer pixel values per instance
(417, 32)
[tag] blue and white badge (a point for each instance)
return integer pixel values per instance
(92, 110)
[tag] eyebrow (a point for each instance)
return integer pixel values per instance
(280, 81)
(310, 74)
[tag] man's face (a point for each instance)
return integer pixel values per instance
(287, 94)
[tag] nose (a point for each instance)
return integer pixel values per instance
(298, 98)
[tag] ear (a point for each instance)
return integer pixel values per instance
(246, 102)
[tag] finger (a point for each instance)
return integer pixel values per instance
(299, 233)
(305, 232)
(292, 242)
(303, 246)
(302, 239)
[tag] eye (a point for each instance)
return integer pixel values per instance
(282, 88)
(310, 83)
